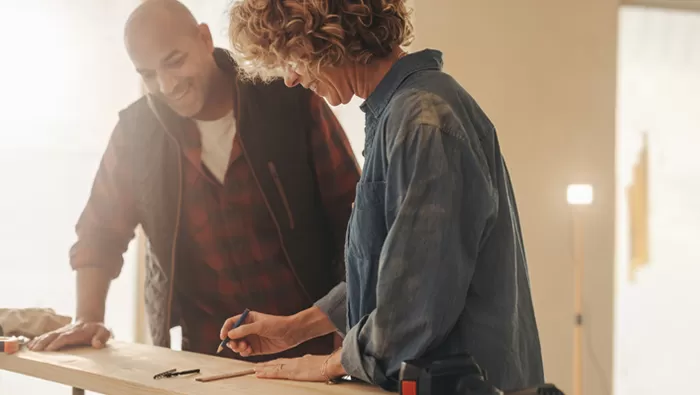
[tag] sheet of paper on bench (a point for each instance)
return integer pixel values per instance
(126, 368)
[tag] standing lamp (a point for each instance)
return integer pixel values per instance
(578, 196)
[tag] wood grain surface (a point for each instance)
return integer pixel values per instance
(126, 368)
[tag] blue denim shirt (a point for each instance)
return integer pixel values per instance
(435, 257)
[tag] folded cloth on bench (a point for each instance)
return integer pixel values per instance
(31, 322)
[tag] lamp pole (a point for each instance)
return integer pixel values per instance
(578, 299)
(578, 196)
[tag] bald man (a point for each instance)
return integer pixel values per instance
(243, 190)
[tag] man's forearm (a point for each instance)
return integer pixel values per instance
(92, 286)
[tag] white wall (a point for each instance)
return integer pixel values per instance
(658, 311)
(215, 14)
(65, 77)
(545, 72)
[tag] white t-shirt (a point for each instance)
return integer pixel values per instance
(217, 141)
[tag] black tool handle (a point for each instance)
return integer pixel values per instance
(184, 372)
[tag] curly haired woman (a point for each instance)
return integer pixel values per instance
(434, 252)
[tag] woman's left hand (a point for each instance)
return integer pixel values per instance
(306, 368)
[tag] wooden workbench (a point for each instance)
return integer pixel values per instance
(125, 368)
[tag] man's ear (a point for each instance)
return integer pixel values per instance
(205, 36)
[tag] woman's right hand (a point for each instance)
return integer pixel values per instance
(260, 334)
(263, 334)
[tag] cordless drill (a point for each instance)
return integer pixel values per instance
(456, 375)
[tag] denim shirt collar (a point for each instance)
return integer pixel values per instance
(428, 59)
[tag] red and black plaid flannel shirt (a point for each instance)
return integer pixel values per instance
(231, 255)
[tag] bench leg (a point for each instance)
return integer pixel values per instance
(78, 391)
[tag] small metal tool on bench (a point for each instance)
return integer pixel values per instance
(173, 373)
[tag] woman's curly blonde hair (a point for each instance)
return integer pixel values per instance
(270, 35)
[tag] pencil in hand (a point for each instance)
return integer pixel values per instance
(238, 323)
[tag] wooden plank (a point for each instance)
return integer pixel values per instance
(126, 368)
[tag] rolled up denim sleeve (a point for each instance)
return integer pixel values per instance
(334, 305)
(439, 198)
